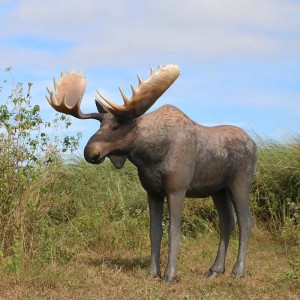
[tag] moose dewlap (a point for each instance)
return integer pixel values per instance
(175, 158)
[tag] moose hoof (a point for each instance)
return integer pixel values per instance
(168, 279)
(212, 274)
(238, 271)
(237, 275)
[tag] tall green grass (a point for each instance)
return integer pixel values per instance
(73, 206)
(275, 192)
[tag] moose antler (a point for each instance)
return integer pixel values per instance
(145, 95)
(68, 95)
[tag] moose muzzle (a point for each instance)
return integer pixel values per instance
(91, 156)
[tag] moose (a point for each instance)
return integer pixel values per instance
(175, 158)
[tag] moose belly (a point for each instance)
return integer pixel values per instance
(203, 183)
(203, 191)
(209, 181)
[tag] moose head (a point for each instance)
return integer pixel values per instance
(116, 135)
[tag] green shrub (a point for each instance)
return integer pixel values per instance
(27, 150)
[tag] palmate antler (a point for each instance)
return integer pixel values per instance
(68, 95)
(71, 87)
(144, 96)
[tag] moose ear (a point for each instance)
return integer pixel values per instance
(100, 108)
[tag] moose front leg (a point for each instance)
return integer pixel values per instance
(156, 209)
(175, 206)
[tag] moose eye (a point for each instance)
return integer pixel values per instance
(116, 127)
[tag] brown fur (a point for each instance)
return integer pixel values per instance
(175, 158)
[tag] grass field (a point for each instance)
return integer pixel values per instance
(109, 271)
(81, 232)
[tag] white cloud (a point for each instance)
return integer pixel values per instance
(132, 32)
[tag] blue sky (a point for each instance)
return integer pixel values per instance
(239, 60)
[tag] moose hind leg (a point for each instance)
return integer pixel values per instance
(224, 207)
(240, 200)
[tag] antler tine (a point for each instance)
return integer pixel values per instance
(145, 95)
(133, 89)
(139, 77)
(55, 84)
(126, 101)
(103, 100)
(108, 104)
(53, 99)
(47, 97)
(68, 95)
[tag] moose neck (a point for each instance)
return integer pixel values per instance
(152, 139)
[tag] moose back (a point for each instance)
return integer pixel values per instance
(175, 158)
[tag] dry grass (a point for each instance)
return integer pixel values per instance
(110, 272)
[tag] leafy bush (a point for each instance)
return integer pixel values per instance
(26, 151)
